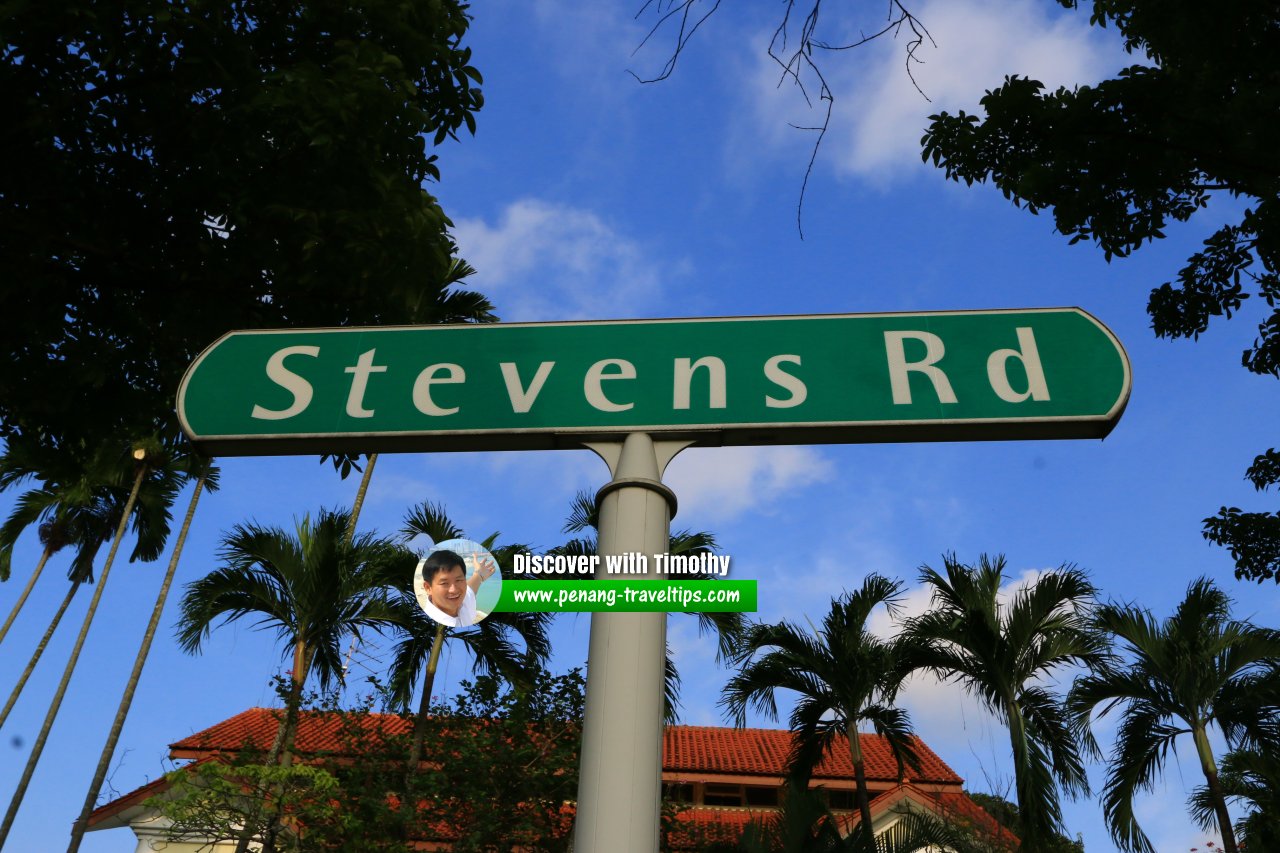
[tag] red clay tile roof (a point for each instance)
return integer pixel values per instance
(694, 749)
(705, 824)
(951, 806)
(686, 749)
(700, 825)
(133, 798)
(256, 729)
(707, 749)
(958, 805)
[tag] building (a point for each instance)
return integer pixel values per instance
(724, 778)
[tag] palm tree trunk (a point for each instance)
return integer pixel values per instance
(104, 761)
(351, 535)
(424, 706)
(360, 493)
(301, 663)
(282, 746)
(860, 782)
(35, 657)
(56, 704)
(22, 599)
(1032, 812)
(281, 751)
(1210, 769)
(288, 732)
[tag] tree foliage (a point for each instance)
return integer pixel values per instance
(313, 586)
(1117, 162)
(508, 762)
(1197, 670)
(78, 493)
(1251, 778)
(844, 677)
(1252, 537)
(1007, 815)
(180, 169)
(501, 766)
(216, 802)
(1196, 114)
(1005, 654)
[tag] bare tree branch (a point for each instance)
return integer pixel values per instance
(683, 9)
(792, 47)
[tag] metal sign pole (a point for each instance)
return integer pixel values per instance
(619, 787)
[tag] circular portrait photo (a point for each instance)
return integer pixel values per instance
(457, 582)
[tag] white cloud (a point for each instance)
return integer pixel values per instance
(546, 261)
(722, 483)
(879, 115)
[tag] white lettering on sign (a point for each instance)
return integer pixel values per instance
(775, 374)
(522, 399)
(684, 378)
(596, 375)
(1006, 369)
(289, 381)
(360, 383)
(454, 375)
(1029, 356)
(899, 367)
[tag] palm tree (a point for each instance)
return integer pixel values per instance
(491, 643)
(729, 628)
(1195, 670)
(844, 677)
(54, 536)
(1003, 653)
(448, 305)
(150, 516)
(207, 478)
(86, 497)
(1249, 776)
(804, 824)
(314, 586)
(77, 503)
(310, 585)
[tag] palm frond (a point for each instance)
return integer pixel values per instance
(843, 676)
(692, 542)
(999, 650)
(670, 690)
(512, 645)
(430, 520)
(311, 585)
(1178, 676)
(583, 514)
(30, 508)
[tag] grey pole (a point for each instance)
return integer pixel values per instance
(619, 787)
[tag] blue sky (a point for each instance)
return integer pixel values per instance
(588, 195)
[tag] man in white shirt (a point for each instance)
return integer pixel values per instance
(447, 594)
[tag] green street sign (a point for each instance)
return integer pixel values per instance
(942, 376)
